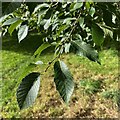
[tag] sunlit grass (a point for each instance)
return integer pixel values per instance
(88, 100)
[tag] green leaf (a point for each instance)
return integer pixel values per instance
(97, 35)
(67, 20)
(72, 5)
(10, 21)
(22, 33)
(84, 49)
(47, 25)
(54, 26)
(41, 6)
(41, 48)
(87, 5)
(28, 90)
(64, 5)
(13, 26)
(41, 14)
(77, 6)
(107, 30)
(81, 22)
(67, 47)
(63, 80)
(3, 18)
(61, 28)
(92, 11)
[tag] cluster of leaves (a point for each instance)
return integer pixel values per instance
(69, 27)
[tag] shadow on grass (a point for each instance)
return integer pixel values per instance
(31, 43)
(26, 46)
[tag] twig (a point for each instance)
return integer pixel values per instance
(74, 25)
(51, 62)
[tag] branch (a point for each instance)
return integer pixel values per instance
(74, 25)
(52, 62)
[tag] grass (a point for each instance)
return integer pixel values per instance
(96, 86)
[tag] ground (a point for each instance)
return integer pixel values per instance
(96, 86)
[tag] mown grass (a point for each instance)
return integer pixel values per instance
(96, 86)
